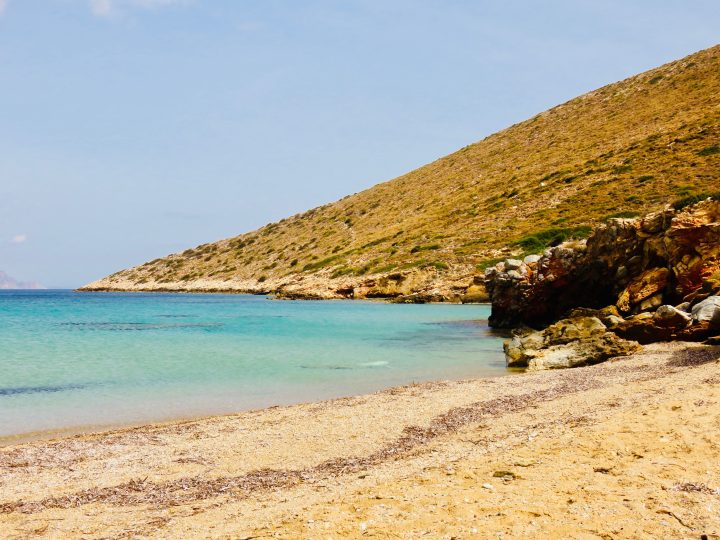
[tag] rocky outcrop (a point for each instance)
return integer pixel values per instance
(670, 258)
(415, 286)
(568, 343)
(658, 278)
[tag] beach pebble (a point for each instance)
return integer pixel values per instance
(487, 486)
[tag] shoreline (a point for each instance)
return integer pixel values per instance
(626, 441)
(103, 428)
(111, 428)
(274, 295)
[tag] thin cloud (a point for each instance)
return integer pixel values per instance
(18, 238)
(101, 8)
(3, 6)
(108, 8)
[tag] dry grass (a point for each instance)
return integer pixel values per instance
(621, 150)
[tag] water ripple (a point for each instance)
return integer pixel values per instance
(124, 326)
(16, 390)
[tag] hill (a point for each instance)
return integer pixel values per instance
(625, 149)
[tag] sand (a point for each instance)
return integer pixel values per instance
(626, 449)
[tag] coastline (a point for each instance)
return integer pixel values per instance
(523, 456)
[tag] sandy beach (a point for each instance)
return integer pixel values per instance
(625, 449)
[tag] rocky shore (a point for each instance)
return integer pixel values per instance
(412, 286)
(634, 281)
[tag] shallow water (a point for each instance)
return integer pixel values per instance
(77, 359)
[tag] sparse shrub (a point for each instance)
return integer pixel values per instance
(488, 263)
(621, 169)
(709, 151)
(363, 270)
(684, 191)
(692, 199)
(262, 279)
(626, 214)
(319, 264)
(551, 237)
(439, 265)
(427, 247)
(341, 271)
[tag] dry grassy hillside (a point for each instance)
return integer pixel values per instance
(621, 150)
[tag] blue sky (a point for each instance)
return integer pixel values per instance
(131, 129)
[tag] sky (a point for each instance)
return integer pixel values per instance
(130, 129)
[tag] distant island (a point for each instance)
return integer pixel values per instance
(8, 282)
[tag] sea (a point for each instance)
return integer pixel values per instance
(73, 361)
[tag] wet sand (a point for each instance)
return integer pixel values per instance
(625, 449)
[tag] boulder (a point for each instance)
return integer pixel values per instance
(707, 311)
(522, 348)
(568, 330)
(666, 324)
(582, 352)
(671, 317)
(568, 343)
(642, 329)
(514, 275)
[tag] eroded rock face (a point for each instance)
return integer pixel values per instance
(568, 343)
(529, 294)
(410, 286)
(638, 265)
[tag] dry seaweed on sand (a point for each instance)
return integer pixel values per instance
(696, 356)
(412, 439)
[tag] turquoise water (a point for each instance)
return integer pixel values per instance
(70, 360)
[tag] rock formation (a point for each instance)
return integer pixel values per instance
(666, 258)
(658, 278)
(568, 343)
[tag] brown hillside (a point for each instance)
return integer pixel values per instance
(624, 149)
